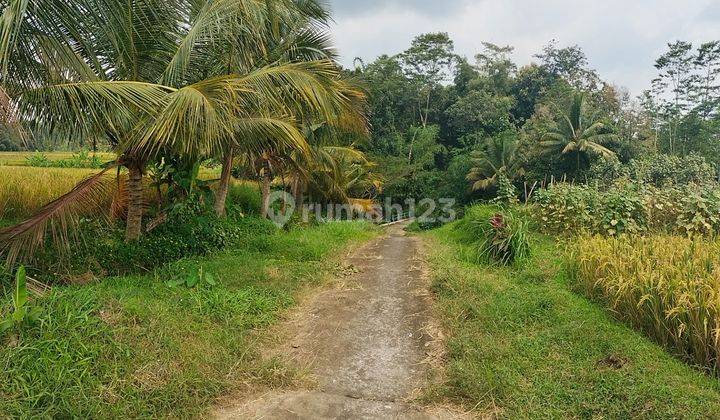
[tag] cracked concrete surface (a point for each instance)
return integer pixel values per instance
(365, 342)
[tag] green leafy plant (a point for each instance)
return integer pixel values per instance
(700, 214)
(506, 240)
(495, 235)
(38, 160)
(22, 312)
(194, 279)
(621, 211)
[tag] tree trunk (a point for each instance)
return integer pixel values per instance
(266, 181)
(578, 162)
(224, 186)
(133, 227)
(298, 193)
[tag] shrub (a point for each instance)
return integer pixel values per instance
(566, 208)
(659, 170)
(188, 232)
(629, 208)
(700, 213)
(663, 206)
(38, 160)
(665, 286)
(496, 236)
(81, 159)
(619, 211)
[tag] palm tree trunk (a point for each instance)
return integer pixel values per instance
(133, 228)
(298, 193)
(266, 181)
(578, 162)
(224, 186)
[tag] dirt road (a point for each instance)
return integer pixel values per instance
(365, 341)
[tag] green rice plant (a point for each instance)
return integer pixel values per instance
(666, 286)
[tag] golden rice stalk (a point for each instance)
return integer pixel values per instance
(666, 286)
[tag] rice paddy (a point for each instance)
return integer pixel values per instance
(24, 190)
(666, 286)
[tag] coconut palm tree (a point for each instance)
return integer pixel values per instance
(305, 39)
(573, 135)
(139, 75)
(496, 157)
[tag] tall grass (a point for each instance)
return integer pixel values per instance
(23, 190)
(666, 286)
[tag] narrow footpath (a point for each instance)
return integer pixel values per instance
(367, 342)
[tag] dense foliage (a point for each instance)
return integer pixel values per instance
(629, 208)
(191, 229)
(439, 118)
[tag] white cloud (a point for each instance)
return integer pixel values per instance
(622, 38)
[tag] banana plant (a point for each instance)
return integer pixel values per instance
(22, 312)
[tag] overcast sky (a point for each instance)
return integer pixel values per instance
(622, 38)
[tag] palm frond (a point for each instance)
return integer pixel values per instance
(58, 218)
(113, 106)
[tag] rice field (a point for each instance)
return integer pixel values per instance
(666, 286)
(23, 190)
(20, 158)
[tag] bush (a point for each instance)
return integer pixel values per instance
(700, 213)
(620, 211)
(566, 208)
(659, 170)
(629, 208)
(495, 235)
(188, 232)
(665, 286)
(81, 159)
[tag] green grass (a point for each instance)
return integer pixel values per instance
(522, 345)
(134, 347)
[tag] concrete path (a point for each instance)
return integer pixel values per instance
(365, 341)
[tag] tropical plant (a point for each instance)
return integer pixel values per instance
(22, 312)
(330, 172)
(146, 77)
(495, 158)
(201, 277)
(700, 214)
(573, 135)
(301, 39)
(496, 236)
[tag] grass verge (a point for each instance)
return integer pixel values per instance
(134, 347)
(521, 344)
